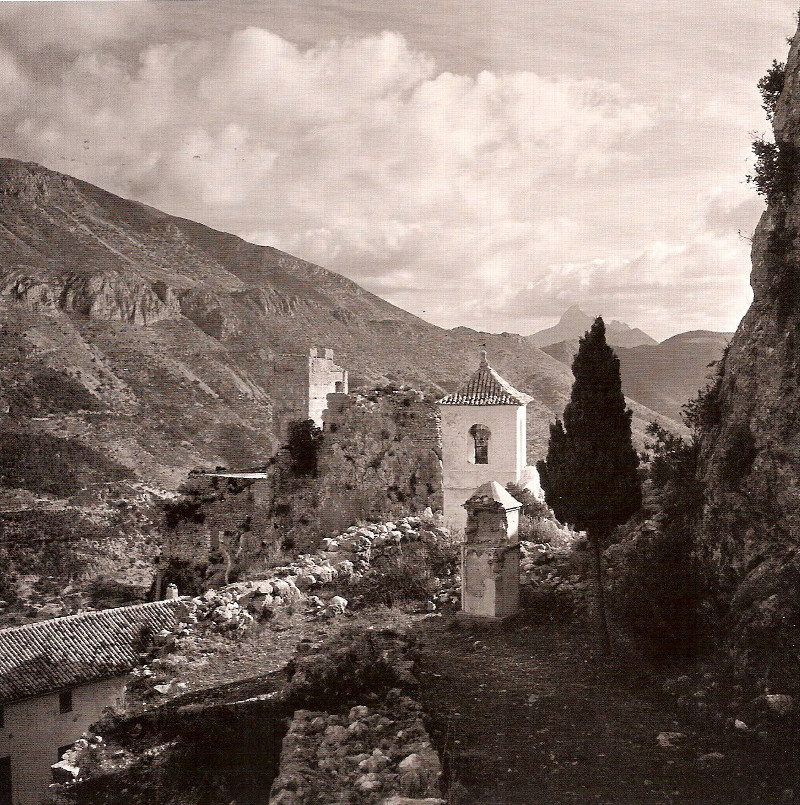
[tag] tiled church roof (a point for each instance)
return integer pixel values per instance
(486, 387)
(41, 657)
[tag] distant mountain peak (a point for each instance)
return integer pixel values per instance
(574, 322)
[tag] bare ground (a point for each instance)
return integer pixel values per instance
(528, 715)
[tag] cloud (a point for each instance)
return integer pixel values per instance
(490, 199)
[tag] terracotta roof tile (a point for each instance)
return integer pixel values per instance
(49, 655)
(486, 387)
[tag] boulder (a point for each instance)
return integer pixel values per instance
(338, 603)
(368, 783)
(64, 772)
(779, 703)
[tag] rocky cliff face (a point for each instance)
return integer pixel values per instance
(750, 457)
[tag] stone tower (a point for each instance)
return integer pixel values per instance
(483, 438)
(490, 554)
(300, 387)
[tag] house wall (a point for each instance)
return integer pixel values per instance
(34, 729)
(507, 452)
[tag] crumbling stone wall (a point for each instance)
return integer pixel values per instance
(216, 529)
(381, 456)
(380, 459)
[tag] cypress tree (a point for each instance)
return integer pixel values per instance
(589, 477)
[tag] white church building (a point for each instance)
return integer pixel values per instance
(484, 434)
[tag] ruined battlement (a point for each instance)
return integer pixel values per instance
(300, 386)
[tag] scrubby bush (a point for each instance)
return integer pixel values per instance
(49, 391)
(105, 592)
(305, 439)
(8, 578)
(657, 590)
(409, 575)
(656, 594)
(771, 86)
(537, 523)
(63, 467)
(187, 576)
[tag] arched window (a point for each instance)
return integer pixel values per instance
(481, 434)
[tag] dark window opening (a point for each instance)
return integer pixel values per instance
(65, 701)
(5, 780)
(481, 434)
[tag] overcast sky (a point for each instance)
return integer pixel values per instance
(483, 163)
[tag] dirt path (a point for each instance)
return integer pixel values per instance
(525, 716)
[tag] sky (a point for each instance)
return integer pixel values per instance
(484, 163)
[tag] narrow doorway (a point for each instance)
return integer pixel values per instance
(5, 781)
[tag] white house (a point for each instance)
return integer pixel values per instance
(56, 678)
(484, 436)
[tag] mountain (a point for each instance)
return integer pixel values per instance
(146, 341)
(574, 324)
(662, 376)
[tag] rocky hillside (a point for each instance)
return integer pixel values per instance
(139, 344)
(574, 323)
(751, 448)
(662, 376)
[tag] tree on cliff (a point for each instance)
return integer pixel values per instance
(589, 477)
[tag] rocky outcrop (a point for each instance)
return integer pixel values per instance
(112, 297)
(103, 296)
(750, 420)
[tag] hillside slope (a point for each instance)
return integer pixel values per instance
(665, 376)
(149, 339)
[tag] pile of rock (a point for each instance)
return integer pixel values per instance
(551, 569)
(312, 580)
(382, 754)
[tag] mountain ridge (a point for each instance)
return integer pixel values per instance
(574, 323)
(663, 376)
(173, 326)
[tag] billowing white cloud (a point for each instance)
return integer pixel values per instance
(492, 199)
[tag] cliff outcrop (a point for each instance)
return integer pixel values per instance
(750, 421)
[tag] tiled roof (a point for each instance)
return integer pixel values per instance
(62, 652)
(486, 387)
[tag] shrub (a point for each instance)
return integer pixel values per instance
(8, 578)
(408, 576)
(771, 86)
(775, 171)
(740, 453)
(62, 467)
(105, 592)
(703, 412)
(656, 595)
(45, 542)
(305, 439)
(657, 592)
(186, 576)
(398, 584)
(49, 391)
